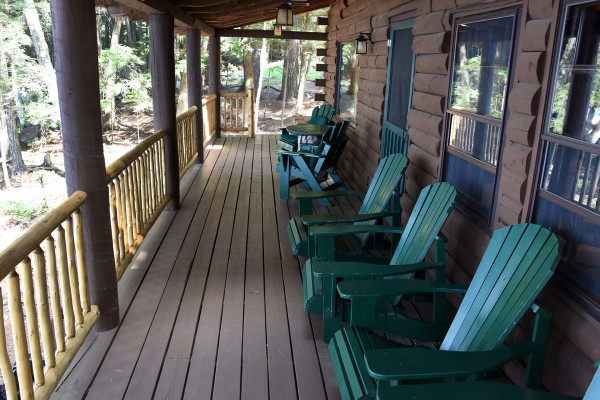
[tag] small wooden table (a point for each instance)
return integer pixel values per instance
(304, 130)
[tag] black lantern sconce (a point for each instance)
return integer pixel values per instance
(361, 42)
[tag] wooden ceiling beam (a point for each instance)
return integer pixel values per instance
(165, 7)
(262, 34)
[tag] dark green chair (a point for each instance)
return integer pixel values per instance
(321, 115)
(479, 390)
(384, 182)
(518, 262)
(319, 278)
(314, 168)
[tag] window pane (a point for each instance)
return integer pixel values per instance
(580, 257)
(348, 81)
(576, 101)
(573, 175)
(475, 185)
(475, 138)
(481, 62)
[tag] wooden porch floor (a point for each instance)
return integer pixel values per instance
(211, 306)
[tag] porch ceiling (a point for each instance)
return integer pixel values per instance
(208, 15)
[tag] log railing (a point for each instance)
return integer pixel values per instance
(234, 112)
(49, 309)
(186, 140)
(209, 120)
(137, 189)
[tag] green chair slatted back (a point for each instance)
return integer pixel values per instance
(389, 172)
(519, 261)
(324, 110)
(431, 210)
(336, 135)
(593, 391)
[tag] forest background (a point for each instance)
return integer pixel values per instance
(32, 177)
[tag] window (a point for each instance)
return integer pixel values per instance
(481, 66)
(347, 81)
(567, 194)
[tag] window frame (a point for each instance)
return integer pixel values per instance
(582, 295)
(481, 16)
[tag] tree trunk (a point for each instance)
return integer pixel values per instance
(131, 33)
(8, 132)
(353, 75)
(290, 70)
(304, 63)
(182, 99)
(112, 76)
(41, 49)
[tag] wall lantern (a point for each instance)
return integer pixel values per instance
(361, 42)
(285, 16)
(276, 30)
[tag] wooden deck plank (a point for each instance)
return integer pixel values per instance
(84, 367)
(228, 373)
(202, 363)
(115, 372)
(148, 367)
(308, 369)
(255, 382)
(176, 362)
(282, 384)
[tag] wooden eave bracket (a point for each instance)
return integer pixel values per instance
(182, 19)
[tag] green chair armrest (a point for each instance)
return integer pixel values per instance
(398, 287)
(311, 220)
(341, 230)
(297, 153)
(333, 269)
(422, 363)
(320, 195)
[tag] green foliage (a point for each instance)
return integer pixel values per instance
(26, 211)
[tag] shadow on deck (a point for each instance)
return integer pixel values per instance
(211, 306)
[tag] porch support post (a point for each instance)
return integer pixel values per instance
(162, 68)
(76, 54)
(194, 84)
(214, 76)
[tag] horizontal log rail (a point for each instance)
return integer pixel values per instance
(186, 140)
(209, 121)
(137, 189)
(233, 112)
(48, 300)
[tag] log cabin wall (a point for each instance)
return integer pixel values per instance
(573, 344)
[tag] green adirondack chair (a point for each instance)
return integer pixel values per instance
(319, 278)
(384, 182)
(312, 168)
(479, 390)
(518, 262)
(321, 115)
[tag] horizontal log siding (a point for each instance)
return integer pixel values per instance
(572, 344)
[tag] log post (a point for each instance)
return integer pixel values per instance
(214, 76)
(76, 55)
(162, 68)
(194, 83)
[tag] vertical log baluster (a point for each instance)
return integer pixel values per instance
(32, 323)
(43, 310)
(10, 384)
(135, 199)
(59, 331)
(19, 337)
(114, 225)
(128, 209)
(75, 296)
(81, 264)
(65, 292)
(121, 214)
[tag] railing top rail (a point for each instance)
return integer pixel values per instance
(240, 94)
(120, 164)
(186, 114)
(37, 233)
(208, 98)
